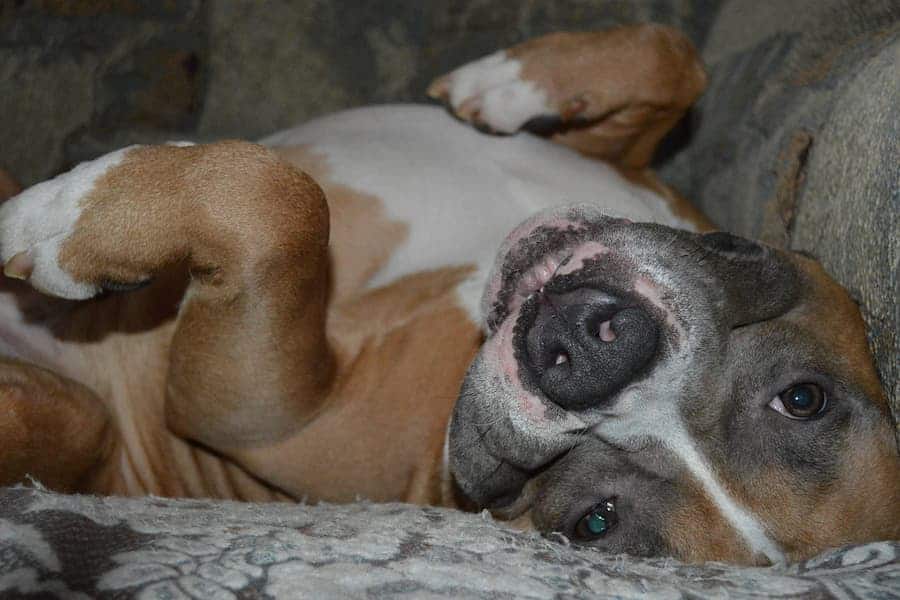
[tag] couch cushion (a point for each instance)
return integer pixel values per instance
(83, 546)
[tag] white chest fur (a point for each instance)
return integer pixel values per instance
(460, 191)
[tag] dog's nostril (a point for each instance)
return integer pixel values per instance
(606, 332)
(726, 243)
(584, 345)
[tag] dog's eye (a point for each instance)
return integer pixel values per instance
(801, 401)
(597, 522)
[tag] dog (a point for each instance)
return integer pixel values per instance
(341, 311)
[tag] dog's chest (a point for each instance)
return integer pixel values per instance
(455, 193)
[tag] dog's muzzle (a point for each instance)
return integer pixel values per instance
(584, 310)
(584, 345)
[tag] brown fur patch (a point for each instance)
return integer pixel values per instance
(632, 84)
(362, 237)
(863, 504)
(402, 353)
(629, 85)
(41, 411)
(695, 531)
(253, 232)
(831, 315)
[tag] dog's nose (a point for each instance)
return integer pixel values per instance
(584, 345)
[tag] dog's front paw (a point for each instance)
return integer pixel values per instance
(35, 224)
(492, 93)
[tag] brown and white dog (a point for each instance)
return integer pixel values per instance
(197, 320)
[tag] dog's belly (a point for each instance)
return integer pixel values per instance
(457, 191)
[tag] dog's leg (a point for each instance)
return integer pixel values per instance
(249, 361)
(51, 428)
(611, 94)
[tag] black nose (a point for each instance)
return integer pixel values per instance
(585, 345)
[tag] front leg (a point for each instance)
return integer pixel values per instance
(609, 94)
(249, 363)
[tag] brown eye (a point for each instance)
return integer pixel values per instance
(597, 522)
(801, 401)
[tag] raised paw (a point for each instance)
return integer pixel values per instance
(115, 223)
(617, 85)
(36, 223)
(492, 94)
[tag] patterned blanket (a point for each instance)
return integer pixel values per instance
(54, 545)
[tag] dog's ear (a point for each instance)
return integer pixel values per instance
(9, 187)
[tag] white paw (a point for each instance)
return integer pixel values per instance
(491, 91)
(35, 224)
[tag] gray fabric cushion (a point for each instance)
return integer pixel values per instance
(797, 142)
(154, 548)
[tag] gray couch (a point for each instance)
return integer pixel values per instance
(796, 142)
(86, 547)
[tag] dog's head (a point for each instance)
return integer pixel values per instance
(647, 390)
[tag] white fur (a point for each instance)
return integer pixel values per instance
(460, 191)
(745, 523)
(508, 108)
(636, 418)
(482, 74)
(647, 410)
(39, 220)
(494, 86)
